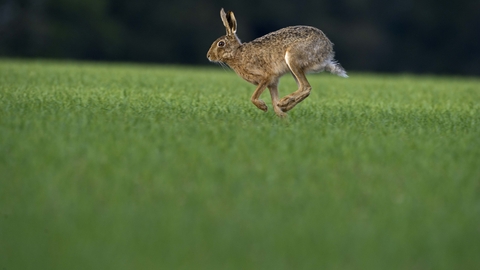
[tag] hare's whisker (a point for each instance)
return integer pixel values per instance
(224, 66)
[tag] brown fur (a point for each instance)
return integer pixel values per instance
(295, 49)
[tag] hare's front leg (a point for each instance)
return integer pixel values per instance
(288, 102)
(258, 102)
(274, 94)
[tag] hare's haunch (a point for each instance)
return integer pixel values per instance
(295, 49)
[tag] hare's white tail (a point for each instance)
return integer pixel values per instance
(335, 68)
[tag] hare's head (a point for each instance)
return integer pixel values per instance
(225, 47)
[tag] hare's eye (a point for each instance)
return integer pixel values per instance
(221, 43)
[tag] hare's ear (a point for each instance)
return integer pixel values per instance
(232, 22)
(229, 22)
(224, 19)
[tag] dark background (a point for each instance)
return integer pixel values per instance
(418, 36)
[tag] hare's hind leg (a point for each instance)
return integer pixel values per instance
(274, 94)
(288, 102)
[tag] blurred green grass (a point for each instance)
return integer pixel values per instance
(123, 166)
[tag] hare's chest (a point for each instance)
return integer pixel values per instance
(253, 76)
(258, 69)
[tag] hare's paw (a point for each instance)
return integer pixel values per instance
(287, 103)
(280, 113)
(260, 104)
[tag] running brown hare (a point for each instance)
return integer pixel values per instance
(295, 49)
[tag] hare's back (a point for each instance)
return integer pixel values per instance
(286, 37)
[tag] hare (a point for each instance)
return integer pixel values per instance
(295, 49)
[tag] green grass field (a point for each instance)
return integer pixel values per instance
(108, 166)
